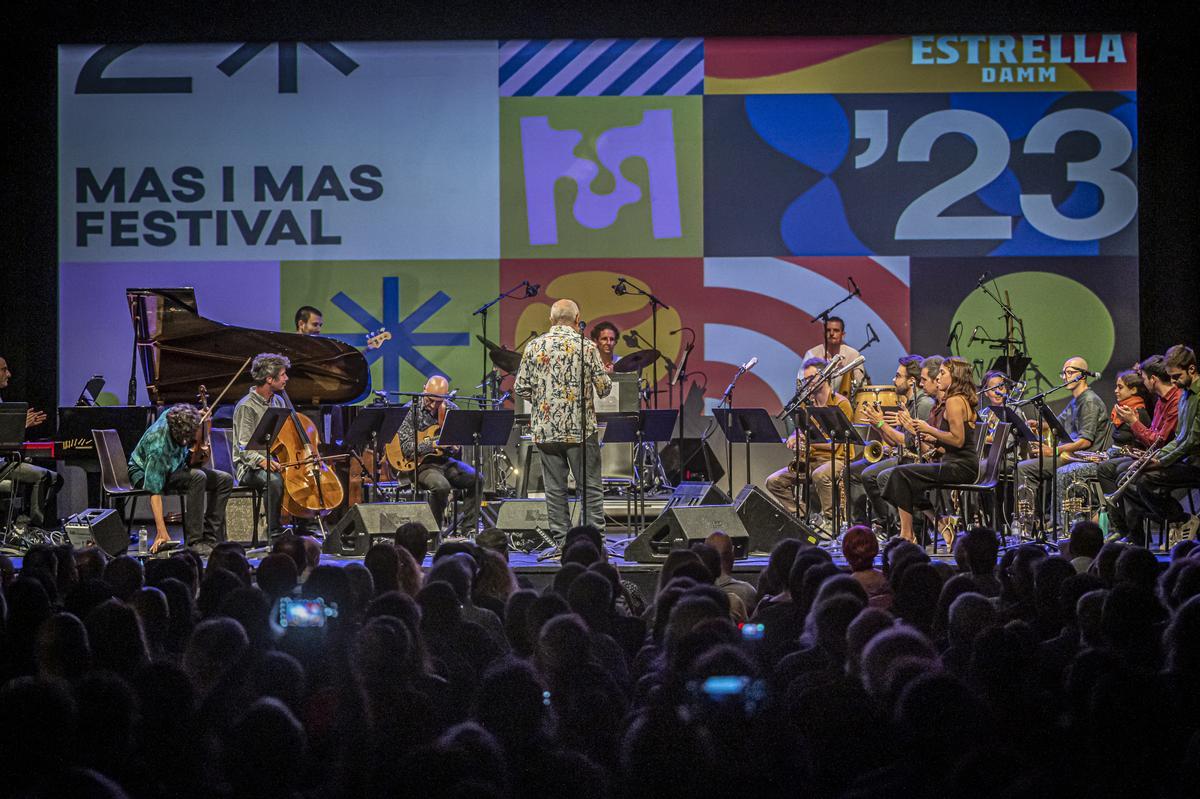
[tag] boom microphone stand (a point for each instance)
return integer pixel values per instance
(624, 286)
(531, 290)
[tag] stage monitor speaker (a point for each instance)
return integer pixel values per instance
(689, 494)
(681, 526)
(768, 523)
(101, 527)
(368, 522)
(699, 461)
(520, 515)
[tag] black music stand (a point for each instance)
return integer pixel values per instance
(646, 426)
(1012, 365)
(374, 425)
(837, 430)
(476, 429)
(1057, 433)
(1018, 426)
(12, 436)
(264, 435)
(746, 426)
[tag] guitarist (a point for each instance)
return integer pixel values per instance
(438, 470)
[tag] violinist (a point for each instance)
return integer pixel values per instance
(268, 372)
(159, 464)
(438, 470)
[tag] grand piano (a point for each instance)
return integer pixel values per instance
(181, 350)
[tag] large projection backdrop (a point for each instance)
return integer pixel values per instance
(743, 181)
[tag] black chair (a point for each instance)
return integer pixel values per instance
(222, 461)
(115, 485)
(991, 465)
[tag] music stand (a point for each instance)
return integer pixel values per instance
(91, 390)
(1012, 365)
(1018, 426)
(12, 436)
(374, 425)
(476, 429)
(837, 429)
(264, 435)
(1057, 433)
(747, 426)
(646, 426)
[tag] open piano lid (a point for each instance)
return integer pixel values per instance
(180, 350)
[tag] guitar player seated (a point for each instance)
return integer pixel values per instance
(439, 470)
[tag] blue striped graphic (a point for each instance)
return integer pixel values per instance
(604, 67)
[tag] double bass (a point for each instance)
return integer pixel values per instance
(310, 487)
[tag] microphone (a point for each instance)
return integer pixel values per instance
(630, 339)
(682, 365)
(971, 340)
(1086, 373)
(984, 278)
(830, 367)
(451, 395)
(857, 292)
(748, 365)
(953, 334)
(531, 289)
(619, 287)
(850, 367)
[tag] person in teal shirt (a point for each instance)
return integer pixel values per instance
(159, 464)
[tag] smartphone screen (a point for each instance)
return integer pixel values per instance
(301, 612)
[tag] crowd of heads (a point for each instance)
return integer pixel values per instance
(1021, 674)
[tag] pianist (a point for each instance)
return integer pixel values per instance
(159, 464)
(42, 484)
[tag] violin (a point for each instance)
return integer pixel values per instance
(202, 445)
(310, 487)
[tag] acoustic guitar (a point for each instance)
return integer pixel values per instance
(395, 455)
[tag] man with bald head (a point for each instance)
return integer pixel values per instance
(563, 428)
(438, 471)
(1085, 418)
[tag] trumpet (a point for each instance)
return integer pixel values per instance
(1132, 473)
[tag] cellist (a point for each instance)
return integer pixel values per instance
(268, 372)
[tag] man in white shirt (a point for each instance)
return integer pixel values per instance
(835, 331)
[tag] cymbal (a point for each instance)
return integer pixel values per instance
(636, 361)
(503, 359)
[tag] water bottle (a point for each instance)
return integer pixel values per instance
(1015, 530)
(143, 542)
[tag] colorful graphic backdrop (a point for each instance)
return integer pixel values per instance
(744, 182)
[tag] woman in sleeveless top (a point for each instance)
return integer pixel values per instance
(953, 431)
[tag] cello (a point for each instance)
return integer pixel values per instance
(310, 488)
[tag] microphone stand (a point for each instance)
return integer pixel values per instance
(655, 304)
(670, 368)
(583, 436)
(727, 401)
(798, 406)
(482, 313)
(681, 377)
(824, 315)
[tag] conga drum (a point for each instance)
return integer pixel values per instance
(869, 395)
